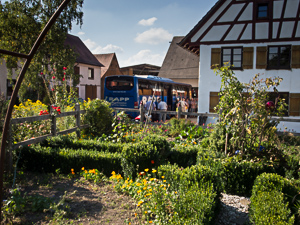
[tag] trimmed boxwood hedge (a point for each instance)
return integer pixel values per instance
(47, 159)
(273, 200)
(66, 142)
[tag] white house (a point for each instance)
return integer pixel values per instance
(88, 66)
(256, 37)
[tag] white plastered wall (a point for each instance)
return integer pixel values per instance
(209, 82)
(83, 68)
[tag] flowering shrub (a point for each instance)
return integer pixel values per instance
(245, 120)
(160, 203)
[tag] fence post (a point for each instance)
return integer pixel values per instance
(179, 112)
(53, 121)
(142, 114)
(77, 109)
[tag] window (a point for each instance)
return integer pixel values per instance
(91, 74)
(279, 57)
(232, 56)
(262, 11)
(119, 83)
(213, 101)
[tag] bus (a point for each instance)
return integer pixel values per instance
(124, 91)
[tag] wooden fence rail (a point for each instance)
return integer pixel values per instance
(77, 112)
(202, 116)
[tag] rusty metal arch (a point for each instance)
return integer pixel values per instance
(28, 59)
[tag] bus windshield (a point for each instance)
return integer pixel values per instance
(119, 83)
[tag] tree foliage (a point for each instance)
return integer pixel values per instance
(21, 21)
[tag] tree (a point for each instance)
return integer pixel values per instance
(21, 21)
(245, 119)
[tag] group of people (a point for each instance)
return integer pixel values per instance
(162, 105)
(187, 105)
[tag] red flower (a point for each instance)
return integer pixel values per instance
(63, 79)
(152, 161)
(52, 89)
(53, 77)
(64, 73)
(42, 73)
(64, 68)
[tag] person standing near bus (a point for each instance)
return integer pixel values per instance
(163, 107)
(184, 106)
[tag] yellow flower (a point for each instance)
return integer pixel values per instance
(113, 172)
(146, 170)
(82, 168)
(165, 181)
(153, 171)
(72, 170)
(139, 191)
(162, 177)
(150, 221)
(146, 212)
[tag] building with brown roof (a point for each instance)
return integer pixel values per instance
(141, 69)
(181, 65)
(110, 67)
(88, 66)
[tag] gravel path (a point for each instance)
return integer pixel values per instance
(234, 210)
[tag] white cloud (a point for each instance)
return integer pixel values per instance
(148, 22)
(97, 49)
(144, 56)
(154, 36)
(81, 33)
(90, 44)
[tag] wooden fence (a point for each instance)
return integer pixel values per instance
(202, 116)
(52, 118)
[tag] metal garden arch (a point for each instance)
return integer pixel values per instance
(28, 59)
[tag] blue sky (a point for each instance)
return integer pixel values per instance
(138, 31)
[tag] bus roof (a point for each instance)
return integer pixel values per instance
(152, 78)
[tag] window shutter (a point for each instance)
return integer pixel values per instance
(296, 56)
(213, 101)
(215, 57)
(294, 106)
(261, 57)
(248, 58)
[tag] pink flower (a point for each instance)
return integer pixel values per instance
(63, 79)
(52, 89)
(64, 73)
(53, 77)
(42, 73)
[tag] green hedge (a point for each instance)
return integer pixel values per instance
(68, 142)
(273, 200)
(47, 159)
(199, 190)
(183, 156)
(239, 175)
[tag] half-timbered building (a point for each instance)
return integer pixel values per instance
(255, 37)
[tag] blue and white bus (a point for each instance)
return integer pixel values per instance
(124, 91)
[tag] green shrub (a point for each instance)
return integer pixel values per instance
(273, 198)
(270, 208)
(199, 190)
(239, 175)
(143, 155)
(195, 173)
(74, 143)
(178, 125)
(183, 156)
(99, 117)
(47, 159)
